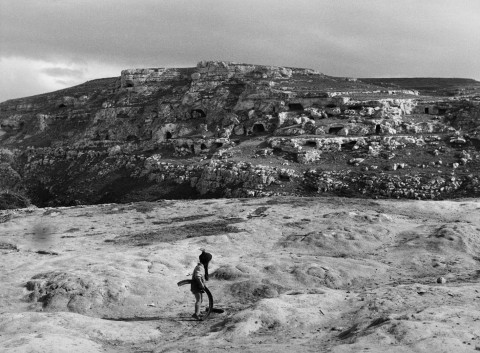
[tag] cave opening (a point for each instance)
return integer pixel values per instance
(203, 147)
(197, 113)
(295, 107)
(258, 128)
(427, 111)
(475, 142)
(335, 129)
(311, 144)
(168, 135)
(348, 145)
(355, 107)
(378, 129)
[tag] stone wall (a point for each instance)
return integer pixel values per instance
(412, 186)
(221, 70)
(138, 77)
(236, 179)
(298, 144)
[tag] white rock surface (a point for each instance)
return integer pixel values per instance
(324, 274)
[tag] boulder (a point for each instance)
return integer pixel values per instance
(308, 156)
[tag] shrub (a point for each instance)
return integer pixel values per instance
(6, 155)
(9, 177)
(12, 199)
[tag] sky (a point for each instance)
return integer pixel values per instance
(46, 45)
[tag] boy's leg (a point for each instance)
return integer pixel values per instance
(198, 302)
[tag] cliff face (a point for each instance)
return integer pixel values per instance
(236, 130)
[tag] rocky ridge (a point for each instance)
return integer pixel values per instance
(224, 129)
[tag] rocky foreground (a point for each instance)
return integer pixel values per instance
(291, 274)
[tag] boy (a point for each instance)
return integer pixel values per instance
(198, 288)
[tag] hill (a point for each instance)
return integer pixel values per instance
(224, 129)
(430, 85)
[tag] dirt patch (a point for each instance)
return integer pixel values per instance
(260, 211)
(292, 202)
(360, 217)
(461, 237)
(172, 234)
(144, 207)
(336, 241)
(5, 218)
(63, 291)
(115, 210)
(253, 290)
(51, 212)
(8, 246)
(184, 219)
(45, 252)
(227, 273)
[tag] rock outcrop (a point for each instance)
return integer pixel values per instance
(196, 132)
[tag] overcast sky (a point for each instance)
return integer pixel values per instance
(47, 45)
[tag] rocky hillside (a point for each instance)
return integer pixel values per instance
(236, 130)
(431, 85)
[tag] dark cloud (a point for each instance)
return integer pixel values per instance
(183, 32)
(341, 37)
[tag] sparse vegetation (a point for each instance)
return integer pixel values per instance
(12, 199)
(145, 207)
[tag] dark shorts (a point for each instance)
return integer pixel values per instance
(195, 287)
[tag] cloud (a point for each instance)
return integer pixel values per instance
(20, 77)
(23, 77)
(63, 72)
(341, 37)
